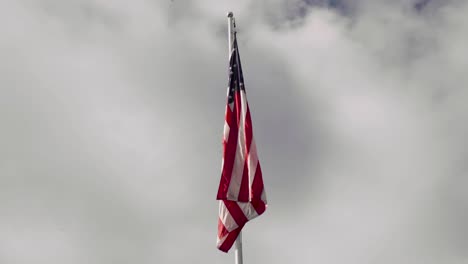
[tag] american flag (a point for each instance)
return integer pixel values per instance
(241, 193)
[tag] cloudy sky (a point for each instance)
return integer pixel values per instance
(111, 117)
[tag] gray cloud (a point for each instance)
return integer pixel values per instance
(112, 117)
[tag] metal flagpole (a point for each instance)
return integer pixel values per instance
(238, 250)
(231, 32)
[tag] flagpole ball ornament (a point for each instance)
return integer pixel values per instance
(230, 14)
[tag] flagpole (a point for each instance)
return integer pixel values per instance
(231, 31)
(238, 249)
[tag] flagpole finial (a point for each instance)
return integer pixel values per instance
(230, 14)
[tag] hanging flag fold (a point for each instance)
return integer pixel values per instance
(241, 193)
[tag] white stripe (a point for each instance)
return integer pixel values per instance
(227, 220)
(252, 163)
(225, 138)
(226, 131)
(221, 240)
(248, 210)
(226, 217)
(238, 169)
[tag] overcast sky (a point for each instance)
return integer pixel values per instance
(111, 118)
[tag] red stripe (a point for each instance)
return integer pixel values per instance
(229, 113)
(244, 192)
(238, 106)
(238, 216)
(257, 189)
(248, 129)
(222, 231)
(236, 212)
(231, 238)
(257, 184)
(229, 155)
(259, 206)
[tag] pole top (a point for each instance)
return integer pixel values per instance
(230, 14)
